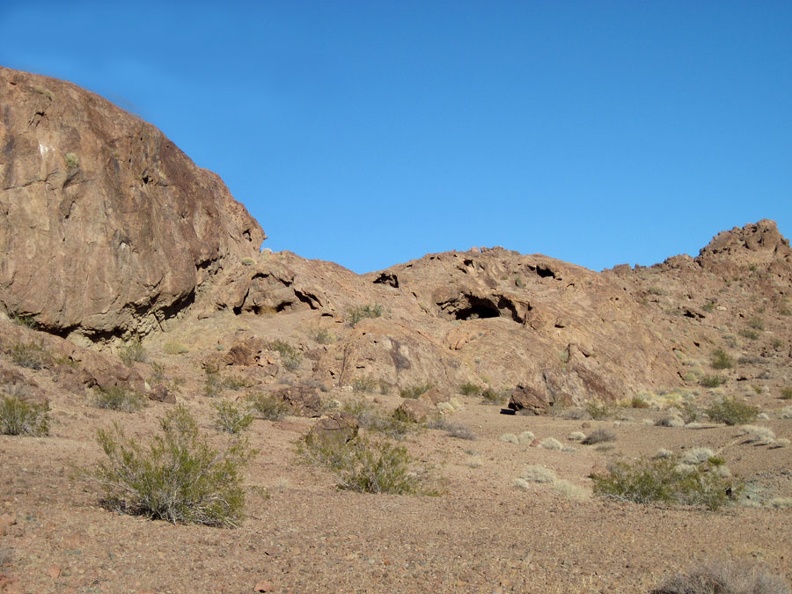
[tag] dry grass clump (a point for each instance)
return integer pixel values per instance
(177, 477)
(30, 355)
(697, 456)
(576, 436)
(538, 474)
(369, 417)
(20, 417)
(526, 437)
(551, 443)
(416, 390)
(510, 438)
(133, 353)
(724, 578)
(600, 435)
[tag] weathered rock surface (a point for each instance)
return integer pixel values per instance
(106, 227)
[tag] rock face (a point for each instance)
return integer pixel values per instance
(106, 227)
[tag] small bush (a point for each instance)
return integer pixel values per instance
(786, 394)
(599, 436)
(749, 333)
(322, 335)
(490, 396)
(365, 466)
(470, 389)
(290, 356)
(119, 398)
(721, 360)
(756, 323)
(538, 474)
(638, 402)
(732, 412)
(365, 384)
(453, 429)
(231, 418)
(659, 480)
(20, 417)
(31, 355)
(416, 390)
(362, 312)
(179, 477)
(724, 579)
(598, 410)
(174, 348)
(712, 381)
(371, 419)
(268, 407)
(133, 353)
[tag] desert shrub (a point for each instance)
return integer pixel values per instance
(538, 474)
(749, 333)
(786, 394)
(231, 418)
(599, 436)
(689, 411)
(470, 389)
(20, 417)
(177, 477)
(724, 579)
(551, 443)
(721, 360)
(491, 396)
(456, 430)
(731, 412)
(119, 398)
(31, 355)
(133, 353)
(267, 406)
(369, 417)
(756, 323)
(290, 356)
(416, 390)
(364, 466)
(362, 312)
(712, 381)
(598, 410)
(213, 385)
(365, 384)
(322, 335)
(659, 480)
(638, 402)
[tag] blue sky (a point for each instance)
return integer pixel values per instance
(370, 133)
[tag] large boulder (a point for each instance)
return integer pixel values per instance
(106, 227)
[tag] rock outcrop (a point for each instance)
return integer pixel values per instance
(106, 227)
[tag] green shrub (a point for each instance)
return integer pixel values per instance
(119, 398)
(731, 412)
(365, 384)
(20, 417)
(231, 418)
(267, 406)
(133, 353)
(786, 394)
(756, 323)
(322, 335)
(638, 402)
(712, 381)
(362, 312)
(416, 390)
(470, 389)
(660, 480)
(290, 356)
(178, 477)
(365, 466)
(721, 360)
(31, 355)
(749, 334)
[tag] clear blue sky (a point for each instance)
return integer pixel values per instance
(372, 132)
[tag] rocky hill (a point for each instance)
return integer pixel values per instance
(127, 271)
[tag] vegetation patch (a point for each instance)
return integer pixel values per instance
(30, 355)
(721, 360)
(731, 412)
(456, 430)
(362, 312)
(369, 417)
(290, 356)
(599, 436)
(665, 480)
(712, 381)
(231, 418)
(365, 466)
(20, 417)
(725, 579)
(416, 390)
(119, 398)
(267, 406)
(177, 477)
(133, 353)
